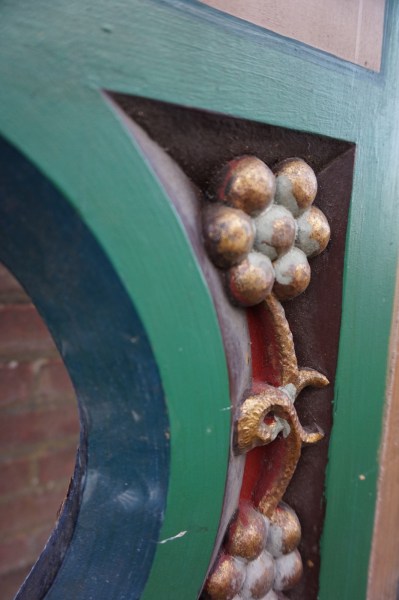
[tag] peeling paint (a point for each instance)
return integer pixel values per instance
(174, 537)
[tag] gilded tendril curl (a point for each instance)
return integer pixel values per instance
(252, 430)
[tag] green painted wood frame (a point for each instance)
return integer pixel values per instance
(55, 60)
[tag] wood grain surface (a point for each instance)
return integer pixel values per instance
(384, 560)
(350, 29)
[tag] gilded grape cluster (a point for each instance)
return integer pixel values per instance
(260, 559)
(262, 227)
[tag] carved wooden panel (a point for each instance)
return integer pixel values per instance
(138, 203)
(233, 210)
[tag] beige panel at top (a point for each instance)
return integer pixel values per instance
(349, 29)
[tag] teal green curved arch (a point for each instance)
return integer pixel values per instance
(77, 141)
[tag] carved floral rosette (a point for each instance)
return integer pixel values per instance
(260, 228)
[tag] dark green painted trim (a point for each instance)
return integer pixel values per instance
(54, 58)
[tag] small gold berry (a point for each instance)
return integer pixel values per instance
(275, 231)
(289, 571)
(252, 280)
(246, 183)
(247, 533)
(259, 578)
(296, 185)
(284, 532)
(226, 579)
(292, 273)
(228, 234)
(313, 232)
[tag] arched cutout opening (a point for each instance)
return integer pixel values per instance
(39, 434)
(117, 498)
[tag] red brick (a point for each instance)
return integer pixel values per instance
(57, 466)
(15, 476)
(53, 382)
(39, 427)
(23, 333)
(38, 411)
(22, 549)
(10, 289)
(16, 383)
(15, 553)
(11, 582)
(28, 512)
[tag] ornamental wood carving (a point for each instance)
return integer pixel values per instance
(261, 229)
(255, 219)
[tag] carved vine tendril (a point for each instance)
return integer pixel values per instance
(260, 229)
(253, 429)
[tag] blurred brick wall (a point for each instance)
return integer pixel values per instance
(38, 434)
